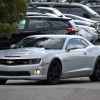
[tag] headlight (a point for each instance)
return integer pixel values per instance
(35, 61)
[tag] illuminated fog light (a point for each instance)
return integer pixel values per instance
(36, 72)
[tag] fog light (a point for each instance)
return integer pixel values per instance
(36, 72)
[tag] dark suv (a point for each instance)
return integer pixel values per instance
(44, 25)
(71, 8)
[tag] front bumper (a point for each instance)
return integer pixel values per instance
(33, 77)
(9, 72)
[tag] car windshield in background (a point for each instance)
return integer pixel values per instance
(43, 42)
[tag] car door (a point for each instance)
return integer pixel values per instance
(76, 60)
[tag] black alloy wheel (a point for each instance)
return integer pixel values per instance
(54, 72)
(96, 75)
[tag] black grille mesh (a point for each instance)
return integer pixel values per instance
(14, 61)
(14, 73)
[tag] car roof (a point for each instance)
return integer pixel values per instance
(81, 18)
(48, 8)
(48, 17)
(57, 36)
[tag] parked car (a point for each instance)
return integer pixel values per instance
(90, 2)
(46, 10)
(43, 25)
(40, 14)
(80, 22)
(86, 22)
(88, 32)
(76, 17)
(51, 58)
(71, 8)
(94, 4)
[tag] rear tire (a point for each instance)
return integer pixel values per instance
(96, 74)
(54, 72)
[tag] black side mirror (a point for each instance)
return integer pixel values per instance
(69, 49)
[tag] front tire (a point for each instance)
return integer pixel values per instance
(54, 72)
(96, 74)
(3, 81)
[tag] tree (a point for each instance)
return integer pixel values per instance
(11, 11)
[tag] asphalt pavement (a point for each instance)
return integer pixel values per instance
(71, 89)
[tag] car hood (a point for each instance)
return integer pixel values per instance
(24, 53)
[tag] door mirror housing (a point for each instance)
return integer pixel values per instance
(69, 49)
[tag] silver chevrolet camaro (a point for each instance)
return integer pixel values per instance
(51, 58)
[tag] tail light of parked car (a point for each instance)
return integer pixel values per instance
(71, 30)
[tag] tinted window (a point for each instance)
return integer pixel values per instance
(76, 44)
(47, 24)
(59, 24)
(36, 24)
(86, 44)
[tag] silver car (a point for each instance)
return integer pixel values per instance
(88, 32)
(51, 58)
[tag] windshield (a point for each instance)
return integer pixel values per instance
(42, 42)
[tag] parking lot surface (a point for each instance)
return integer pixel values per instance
(71, 89)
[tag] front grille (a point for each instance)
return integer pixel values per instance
(14, 61)
(14, 73)
(19, 61)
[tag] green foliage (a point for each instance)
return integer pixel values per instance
(7, 29)
(11, 11)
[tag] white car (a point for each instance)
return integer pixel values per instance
(88, 32)
(76, 17)
(51, 58)
(45, 10)
(85, 21)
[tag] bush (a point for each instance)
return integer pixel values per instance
(11, 11)
(7, 29)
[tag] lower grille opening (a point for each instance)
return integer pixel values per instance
(14, 73)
